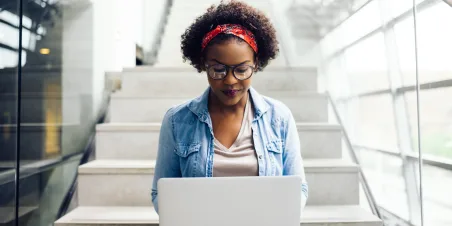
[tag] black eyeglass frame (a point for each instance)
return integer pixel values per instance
(253, 69)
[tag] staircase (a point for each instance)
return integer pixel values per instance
(115, 189)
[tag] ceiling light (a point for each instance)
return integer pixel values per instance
(44, 51)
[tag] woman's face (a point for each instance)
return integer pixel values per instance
(230, 90)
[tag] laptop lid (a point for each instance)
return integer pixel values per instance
(226, 201)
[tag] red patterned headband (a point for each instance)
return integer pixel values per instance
(233, 29)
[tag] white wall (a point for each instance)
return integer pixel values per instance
(100, 36)
(77, 70)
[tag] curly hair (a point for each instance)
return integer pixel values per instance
(232, 12)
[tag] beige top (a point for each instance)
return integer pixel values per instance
(240, 159)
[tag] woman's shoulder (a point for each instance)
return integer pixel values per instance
(277, 107)
(181, 112)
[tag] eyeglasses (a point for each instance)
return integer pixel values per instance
(220, 71)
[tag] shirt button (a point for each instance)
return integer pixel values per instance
(260, 156)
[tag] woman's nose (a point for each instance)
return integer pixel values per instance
(230, 78)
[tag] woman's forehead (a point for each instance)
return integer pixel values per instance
(230, 53)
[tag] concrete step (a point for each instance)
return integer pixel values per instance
(115, 183)
(140, 140)
(128, 182)
(332, 182)
(174, 82)
(141, 216)
(306, 107)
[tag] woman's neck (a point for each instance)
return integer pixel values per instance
(215, 105)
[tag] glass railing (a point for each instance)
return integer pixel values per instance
(391, 81)
(50, 101)
(57, 89)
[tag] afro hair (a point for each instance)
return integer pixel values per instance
(231, 12)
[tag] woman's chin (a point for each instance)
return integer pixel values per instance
(229, 102)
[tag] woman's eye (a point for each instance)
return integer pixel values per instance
(219, 70)
(241, 69)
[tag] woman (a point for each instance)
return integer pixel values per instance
(230, 130)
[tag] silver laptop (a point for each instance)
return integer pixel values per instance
(227, 201)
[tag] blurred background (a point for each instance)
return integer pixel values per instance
(56, 58)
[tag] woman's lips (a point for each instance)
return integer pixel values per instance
(231, 92)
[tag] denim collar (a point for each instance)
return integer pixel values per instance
(199, 106)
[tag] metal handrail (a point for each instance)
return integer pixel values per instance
(151, 58)
(366, 187)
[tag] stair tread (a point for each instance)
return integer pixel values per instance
(329, 215)
(147, 166)
(118, 166)
(337, 164)
(156, 126)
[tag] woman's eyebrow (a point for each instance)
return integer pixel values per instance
(231, 65)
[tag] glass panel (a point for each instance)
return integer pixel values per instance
(436, 121)
(366, 65)
(437, 202)
(404, 32)
(435, 51)
(47, 189)
(401, 6)
(434, 48)
(337, 78)
(385, 177)
(373, 124)
(8, 107)
(358, 25)
(57, 79)
(57, 101)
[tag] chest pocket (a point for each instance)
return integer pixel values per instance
(275, 149)
(189, 155)
(275, 146)
(184, 150)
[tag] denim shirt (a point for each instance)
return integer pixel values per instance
(186, 142)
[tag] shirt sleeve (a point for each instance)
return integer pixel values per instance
(167, 164)
(292, 160)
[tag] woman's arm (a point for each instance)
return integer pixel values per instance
(292, 160)
(167, 164)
